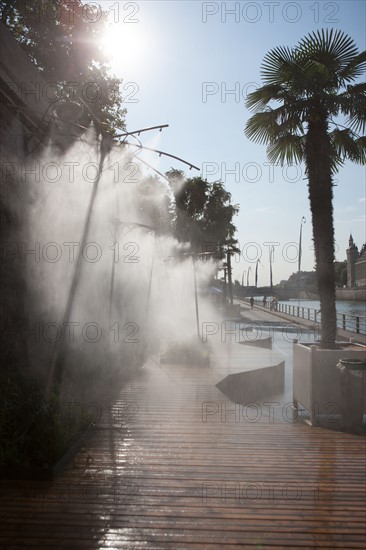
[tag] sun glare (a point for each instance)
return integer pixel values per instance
(124, 44)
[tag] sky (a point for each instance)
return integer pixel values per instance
(190, 64)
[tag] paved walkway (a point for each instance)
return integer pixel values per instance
(175, 465)
(260, 314)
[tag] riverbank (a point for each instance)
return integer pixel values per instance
(260, 314)
(353, 294)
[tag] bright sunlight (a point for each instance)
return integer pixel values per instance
(125, 45)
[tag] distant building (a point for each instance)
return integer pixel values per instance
(356, 265)
(304, 278)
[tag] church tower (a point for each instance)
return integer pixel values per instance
(352, 255)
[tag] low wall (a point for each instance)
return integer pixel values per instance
(356, 294)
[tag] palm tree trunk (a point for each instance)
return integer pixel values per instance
(318, 161)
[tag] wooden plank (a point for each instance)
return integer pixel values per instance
(165, 478)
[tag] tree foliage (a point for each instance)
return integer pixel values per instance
(341, 273)
(63, 39)
(203, 213)
(154, 201)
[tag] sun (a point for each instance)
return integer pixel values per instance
(124, 44)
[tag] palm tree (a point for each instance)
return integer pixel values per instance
(314, 83)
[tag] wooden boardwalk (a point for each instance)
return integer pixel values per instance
(260, 314)
(174, 464)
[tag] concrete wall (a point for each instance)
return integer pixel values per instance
(360, 272)
(357, 294)
(317, 380)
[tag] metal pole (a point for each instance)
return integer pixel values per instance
(303, 220)
(115, 223)
(196, 297)
(56, 366)
(249, 270)
(150, 276)
(270, 267)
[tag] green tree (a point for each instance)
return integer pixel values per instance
(154, 201)
(314, 82)
(203, 213)
(64, 40)
(340, 273)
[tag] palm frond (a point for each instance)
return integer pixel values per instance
(332, 47)
(259, 99)
(361, 144)
(356, 89)
(280, 67)
(290, 117)
(309, 81)
(262, 127)
(343, 141)
(348, 146)
(354, 69)
(353, 104)
(287, 149)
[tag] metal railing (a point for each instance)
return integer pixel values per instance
(345, 321)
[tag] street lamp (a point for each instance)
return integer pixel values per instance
(249, 270)
(271, 257)
(303, 220)
(256, 272)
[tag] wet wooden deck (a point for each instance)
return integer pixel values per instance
(171, 466)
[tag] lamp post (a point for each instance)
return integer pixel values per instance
(249, 270)
(271, 257)
(303, 220)
(256, 273)
(56, 366)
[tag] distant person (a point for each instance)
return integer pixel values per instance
(264, 301)
(251, 302)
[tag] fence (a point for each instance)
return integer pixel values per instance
(345, 321)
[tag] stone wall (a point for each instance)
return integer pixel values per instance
(358, 294)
